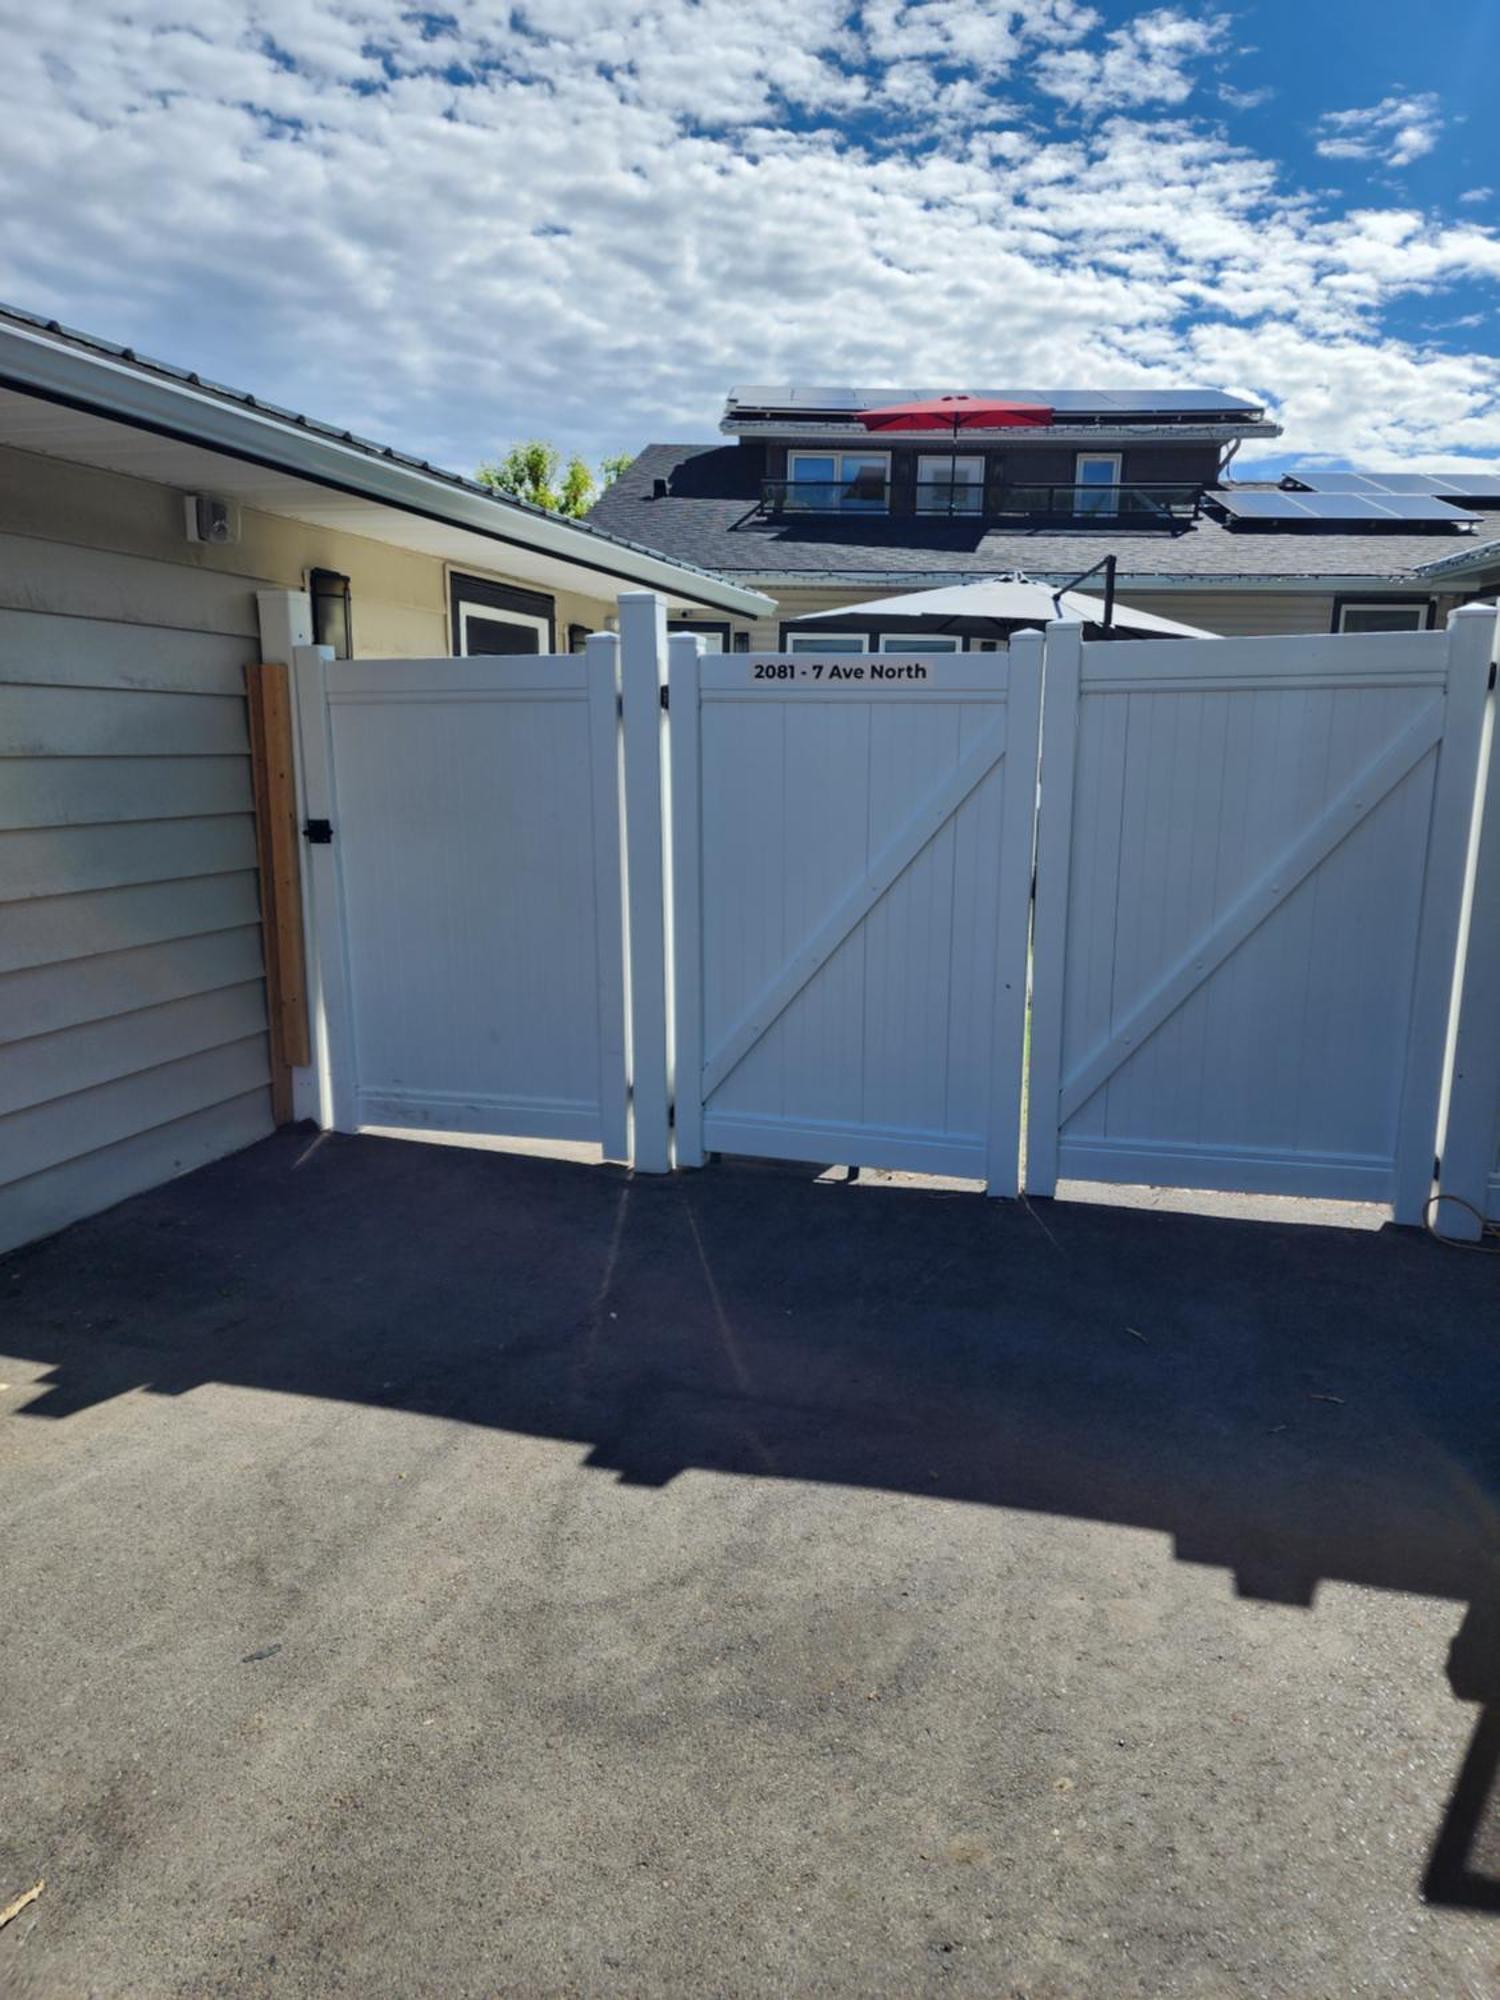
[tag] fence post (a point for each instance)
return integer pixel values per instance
(1470, 638)
(1061, 674)
(328, 987)
(643, 633)
(683, 731)
(602, 672)
(1470, 1140)
(1023, 720)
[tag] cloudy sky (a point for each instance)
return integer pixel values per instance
(588, 218)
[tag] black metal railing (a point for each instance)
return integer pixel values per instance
(1163, 503)
(1136, 504)
(865, 493)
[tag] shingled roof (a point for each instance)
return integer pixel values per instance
(707, 517)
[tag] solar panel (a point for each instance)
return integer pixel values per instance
(1099, 402)
(1460, 485)
(1357, 508)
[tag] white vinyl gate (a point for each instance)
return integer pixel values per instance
(466, 893)
(851, 866)
(793, 910)
(1250, 867)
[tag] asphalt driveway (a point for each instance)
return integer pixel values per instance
(432, 1572)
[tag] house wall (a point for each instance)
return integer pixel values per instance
(399, 598)
(132, 1011)
(133, 1041)
(1229, 613)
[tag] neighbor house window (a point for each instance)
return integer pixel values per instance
(715, 636)
(948, 485)
(838, 482)
(497, 617)
(919, 642)
(1097, 479)
(827, 642)
(1412, 615)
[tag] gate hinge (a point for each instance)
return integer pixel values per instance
(318, 831)
(665, 701)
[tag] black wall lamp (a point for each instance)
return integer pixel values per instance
(332, 617)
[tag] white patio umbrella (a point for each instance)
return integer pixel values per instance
(994, 608)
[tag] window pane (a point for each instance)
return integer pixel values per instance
(1383, 618)
(949, 485)
(813, 480)
(864, 482)
(1097, 472)
(893, 643)
(816, 642)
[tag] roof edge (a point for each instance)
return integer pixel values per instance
(44, 359)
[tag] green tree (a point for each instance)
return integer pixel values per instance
(610, 468)
(535, 471)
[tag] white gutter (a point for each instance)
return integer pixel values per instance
(934, 579)
(115, 390)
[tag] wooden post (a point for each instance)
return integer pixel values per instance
(643, 632)
(268, 697)
(285, 618)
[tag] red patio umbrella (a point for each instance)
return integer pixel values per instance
(955, 413)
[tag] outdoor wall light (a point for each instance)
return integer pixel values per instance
(332, 617)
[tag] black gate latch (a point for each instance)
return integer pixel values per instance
(318, 831)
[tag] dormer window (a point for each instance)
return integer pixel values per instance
(838, 482)
(1097, 474)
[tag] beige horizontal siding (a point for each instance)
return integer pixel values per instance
(119, 722)
(42, 933)
(132, 1010)
(43, 1202)
(57, 860)
(96, 791)
(44, 998)
(37, 574)
(1243, 614)
(95, 652)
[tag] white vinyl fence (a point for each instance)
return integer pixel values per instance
(790, 906)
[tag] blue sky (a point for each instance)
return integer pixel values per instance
(588, 218)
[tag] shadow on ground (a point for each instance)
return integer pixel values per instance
(1294, 1404)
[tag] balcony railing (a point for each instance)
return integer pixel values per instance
(1163, 502)
(864, 494)
(1159, 503)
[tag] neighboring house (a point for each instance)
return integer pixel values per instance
(809, 506)
(141, 510)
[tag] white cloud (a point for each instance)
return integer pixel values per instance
(590, 217)
(1148, 61)
(1477, 194)
(1396, 131)
(1246, 100)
